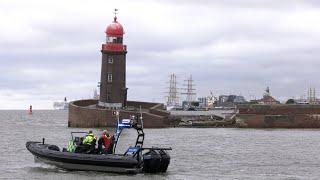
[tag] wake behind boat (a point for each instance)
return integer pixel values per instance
(136, 159)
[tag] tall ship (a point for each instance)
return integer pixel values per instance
(61, 105)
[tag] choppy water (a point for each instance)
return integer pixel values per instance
(197, 153)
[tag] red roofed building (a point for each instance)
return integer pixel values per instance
(267, 99)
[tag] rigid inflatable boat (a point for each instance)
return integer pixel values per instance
(136, 159)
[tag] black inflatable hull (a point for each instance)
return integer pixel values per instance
(86, 162)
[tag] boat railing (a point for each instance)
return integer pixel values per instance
(77, 132)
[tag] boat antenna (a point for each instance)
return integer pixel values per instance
(141, 118)
(118, 116)
(118, 131)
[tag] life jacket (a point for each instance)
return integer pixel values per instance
(106, 140)
(71, 146)
(89, 139)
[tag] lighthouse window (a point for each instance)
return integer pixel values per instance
(114, 39)
(111, 39)
(109, 78)
(108, 96)
(119, 40)
(110, 60)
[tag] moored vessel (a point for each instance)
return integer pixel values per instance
(61, 105)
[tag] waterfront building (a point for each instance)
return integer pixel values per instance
(266, 99)
(203, 102)
(230, 100)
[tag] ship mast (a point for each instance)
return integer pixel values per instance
(189, 90)
(173, 94)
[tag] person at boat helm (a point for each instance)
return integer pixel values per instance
(106, 139)
(89, 139)
(88, 144)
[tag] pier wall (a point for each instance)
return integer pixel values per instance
(85, 114)
(278, 116)
(279, 109)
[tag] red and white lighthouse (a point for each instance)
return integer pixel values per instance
(113, 90)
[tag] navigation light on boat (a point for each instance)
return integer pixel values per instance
(125, 123)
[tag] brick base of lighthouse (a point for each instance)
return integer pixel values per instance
(86, 114)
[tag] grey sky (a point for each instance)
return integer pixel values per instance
(49, 50)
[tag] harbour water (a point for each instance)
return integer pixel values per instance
(208, 153)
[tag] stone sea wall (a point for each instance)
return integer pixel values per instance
(278, 116)
(85, 114)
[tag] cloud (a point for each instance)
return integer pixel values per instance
(49, 50)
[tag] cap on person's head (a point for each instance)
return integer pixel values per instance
(90, 131)
(105, 131)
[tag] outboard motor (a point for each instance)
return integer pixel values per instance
(151, 161)
(156, 160)
(165, 161)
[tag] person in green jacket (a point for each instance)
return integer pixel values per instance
(89, 143)
(89, 139)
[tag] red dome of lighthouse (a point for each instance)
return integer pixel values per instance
(115, 29)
